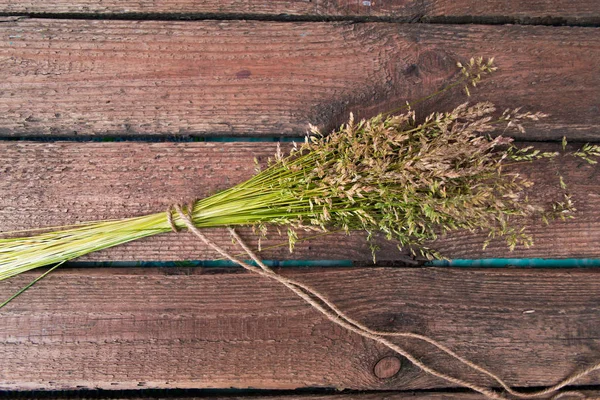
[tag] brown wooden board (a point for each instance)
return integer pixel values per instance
(562, 11)
(48, 184)
(198, 328)
(383, 395)
(537, 11)
(131, 78)
(380, 395)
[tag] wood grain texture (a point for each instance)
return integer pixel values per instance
(190, 328)
(380, 395)
(128, 78)
(530, 11)
(566, 11)
(383, 395)
(49, 184)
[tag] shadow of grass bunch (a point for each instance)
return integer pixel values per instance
(411, 181)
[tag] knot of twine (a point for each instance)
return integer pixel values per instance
(328, 309)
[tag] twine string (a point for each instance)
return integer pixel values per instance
(333, 313)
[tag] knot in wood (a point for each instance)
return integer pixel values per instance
(387, 367)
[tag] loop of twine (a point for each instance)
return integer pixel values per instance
(328, 309)
(170, 219)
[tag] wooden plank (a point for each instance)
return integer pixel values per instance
(384, 395)
(544, 10)
(49, 184)
(190, 328)
(537, 11)
(128, 78)
(380, 395)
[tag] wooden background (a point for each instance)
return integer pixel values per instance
(120, 108)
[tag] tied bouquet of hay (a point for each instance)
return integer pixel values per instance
(410, 180)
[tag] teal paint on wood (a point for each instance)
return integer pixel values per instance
(456, 263)
(518, 262)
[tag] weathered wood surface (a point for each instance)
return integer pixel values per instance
(382, 395)
(196, 328)
(127, 78)
(387, 395)
(537, 11)
(49, 184)
(406, 10)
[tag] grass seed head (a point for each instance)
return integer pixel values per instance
(413, 181)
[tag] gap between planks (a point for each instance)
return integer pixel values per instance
(589, 22)
(178, 394)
